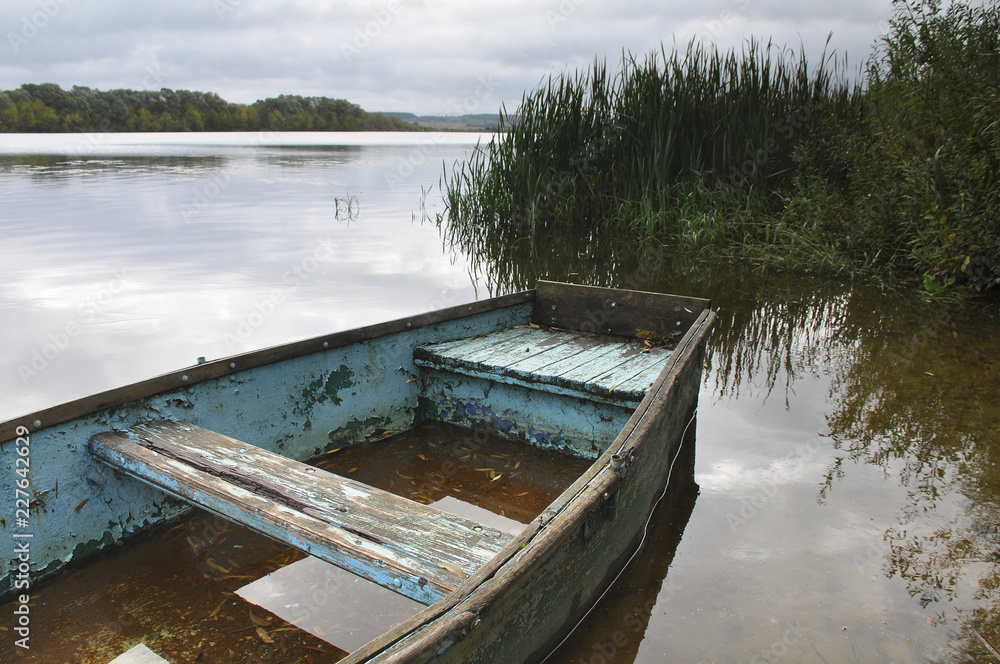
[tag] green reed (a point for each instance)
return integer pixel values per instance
(635, 148)
(756, 152)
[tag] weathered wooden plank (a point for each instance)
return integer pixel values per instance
(410, 548)
(622, 354)
(503, 349)
(646, 369)
(585, 366)
(529, 343)
(593, 310)
(461, 348)
(533, 362)
(637, 373)
(590, 354)
(400, 524)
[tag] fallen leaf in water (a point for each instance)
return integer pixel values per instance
(264, 636)
(523, 493)
(216, 566)
(497, 477)
(453, 568)
(422, 457)
(257, 620)
(517, 465)
(353, 469)
(217, 609)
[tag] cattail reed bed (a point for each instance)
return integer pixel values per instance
(757, 152)
(668, 136)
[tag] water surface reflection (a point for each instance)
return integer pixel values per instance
(847, 438)
(847, 454)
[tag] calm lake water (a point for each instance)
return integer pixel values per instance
(847, 443)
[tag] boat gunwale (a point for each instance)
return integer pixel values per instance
(235, 364)
(431, 627)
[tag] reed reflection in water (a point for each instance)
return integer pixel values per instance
(848, 454)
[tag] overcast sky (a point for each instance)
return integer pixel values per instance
(425, 56)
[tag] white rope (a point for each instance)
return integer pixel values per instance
(645, 532)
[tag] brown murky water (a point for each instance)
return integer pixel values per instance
(180, 592)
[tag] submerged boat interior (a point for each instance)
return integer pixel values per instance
(564, 390)
(563, 370)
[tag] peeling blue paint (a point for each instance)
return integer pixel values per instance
(320, 391)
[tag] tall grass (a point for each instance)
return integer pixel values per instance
(634, 148)
(755, 151)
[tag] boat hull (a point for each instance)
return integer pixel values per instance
(306, 398)
(523, 603)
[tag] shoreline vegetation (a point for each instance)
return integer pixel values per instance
(47, 108)
(755, 154)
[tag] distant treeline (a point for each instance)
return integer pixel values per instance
(49, 108)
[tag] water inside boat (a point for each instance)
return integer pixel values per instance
(206, 590)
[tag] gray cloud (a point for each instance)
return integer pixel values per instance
(427, 56)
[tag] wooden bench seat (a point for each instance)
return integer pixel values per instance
(416, 550)
(614, 370)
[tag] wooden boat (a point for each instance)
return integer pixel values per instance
(608, 374)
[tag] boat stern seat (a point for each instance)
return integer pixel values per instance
(613, 370)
